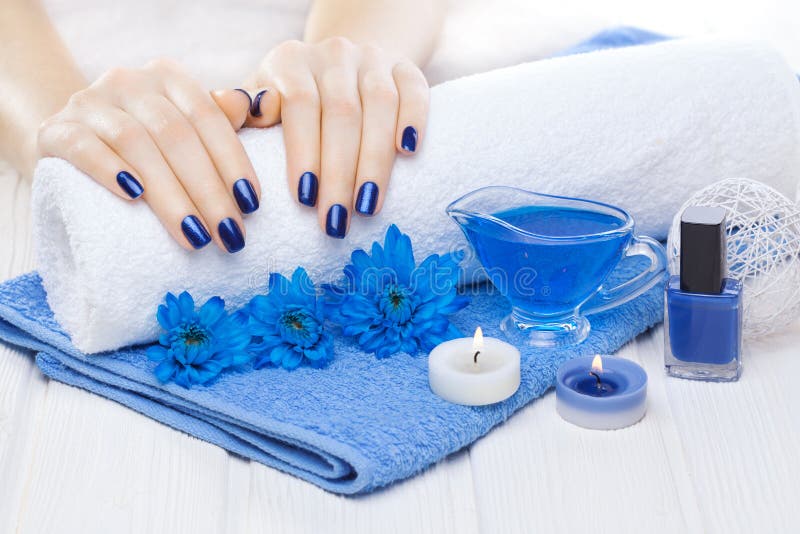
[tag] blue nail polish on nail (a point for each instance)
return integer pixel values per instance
(249, 98)
(230, 234)
(129, 184)
(336, 225)
(195, 232)
(409, 142)
(245, 195)
(307, 189)
(255, 106)
(367, 199)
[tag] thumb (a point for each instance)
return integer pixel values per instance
(265, 108)
(235, 104)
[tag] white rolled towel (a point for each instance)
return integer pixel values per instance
(640, 128)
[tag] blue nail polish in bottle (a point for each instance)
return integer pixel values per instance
(703, 316)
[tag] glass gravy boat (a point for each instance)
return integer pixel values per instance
(550, 256)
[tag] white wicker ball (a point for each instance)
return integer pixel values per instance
(763, 229)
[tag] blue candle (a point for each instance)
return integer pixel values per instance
(603, 393)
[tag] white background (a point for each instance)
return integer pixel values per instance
(706, 457)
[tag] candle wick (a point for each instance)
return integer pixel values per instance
(475, 358)
(597, 377)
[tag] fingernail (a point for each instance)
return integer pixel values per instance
(367, 199)
(307, 189)
(245, 195)
(129, 184)
(255, 104)
(409, 142)
(336, 225)
(231, 236)
(195, 232)
(249, 99)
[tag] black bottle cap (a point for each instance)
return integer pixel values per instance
(703, 249)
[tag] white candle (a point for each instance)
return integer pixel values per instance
(458, 375)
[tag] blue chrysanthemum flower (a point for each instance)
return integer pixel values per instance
(288, 324)
(390, 304)
(198, 344)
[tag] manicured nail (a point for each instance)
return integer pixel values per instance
(409, 142)
(336, 225)
(249, 99)
(307, 189)
(231, 236)
(195, 232)
(255, 105)
(245, 195)
(367, 199)
(129, 184)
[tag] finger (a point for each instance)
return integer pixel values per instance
(79, 145)
(412, 116)
(341, 137)
(163, 193)
(300, 116)
(265, 107)
(183, 150)
(220, 141)
(379, 98)
(234, 103)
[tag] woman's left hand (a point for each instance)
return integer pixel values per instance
(346, 110)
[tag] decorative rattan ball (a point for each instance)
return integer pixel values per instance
(763, 229)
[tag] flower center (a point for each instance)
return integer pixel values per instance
(194, 335)
(396, 304)
(299, 327)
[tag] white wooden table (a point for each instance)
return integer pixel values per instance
(706, 457)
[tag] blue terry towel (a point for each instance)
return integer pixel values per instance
(355, 426)
(614, 38)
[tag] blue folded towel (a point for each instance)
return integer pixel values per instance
(355, 426)
(358, 425)
(614, 38)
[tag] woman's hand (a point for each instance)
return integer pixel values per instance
(346, 109)
(155, 133)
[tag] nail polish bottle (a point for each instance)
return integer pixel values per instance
(703, 315)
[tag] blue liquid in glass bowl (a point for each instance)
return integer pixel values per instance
(556, 262)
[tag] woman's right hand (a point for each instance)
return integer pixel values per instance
(155, 133)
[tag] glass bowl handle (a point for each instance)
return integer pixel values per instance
(655, 273)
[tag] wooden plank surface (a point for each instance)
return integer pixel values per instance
(707, 457)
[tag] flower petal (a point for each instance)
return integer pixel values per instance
(167, 320)
(321, 352)
(303, 290)
(212, 310)
(262, 361)
(156, 353)
(165, 370)
(186, 304)
(278, 283)
(278, 354)
(172, 301)
(292, 359)
(209, 370)
(182, 378)
(399, 254)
